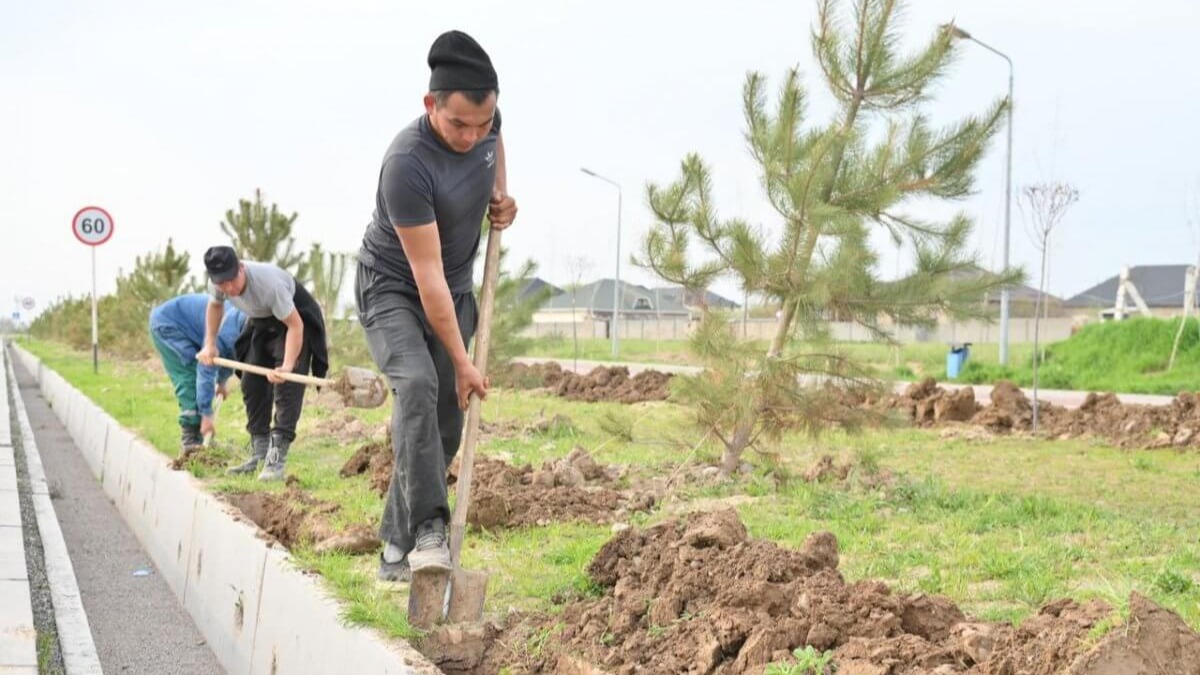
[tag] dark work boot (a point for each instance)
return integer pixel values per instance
(276, 458)
(259, 445)
(190, 438)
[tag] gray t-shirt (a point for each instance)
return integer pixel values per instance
(423, 181)
(269, 292)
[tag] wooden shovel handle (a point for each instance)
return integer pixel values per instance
(483, 340)
(260, 370)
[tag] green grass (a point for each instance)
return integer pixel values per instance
(1129, 357)
(999, 526)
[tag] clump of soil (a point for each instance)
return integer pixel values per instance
(573, 488)
(377, 458)
(698, 595)
(295, 517)
(201, 455)
(615, 384)
(601, 384)
(1100, 416)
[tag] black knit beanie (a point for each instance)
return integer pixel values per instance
(458, 63)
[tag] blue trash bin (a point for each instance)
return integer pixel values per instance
(956, 358)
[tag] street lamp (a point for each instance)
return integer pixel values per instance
(617, 283)
(1004, 292)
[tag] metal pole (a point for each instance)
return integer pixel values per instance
(614, 323)
(95, 330)
(1004, 292)
(616, 347)
(961, 34)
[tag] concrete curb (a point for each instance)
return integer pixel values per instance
(74, 632)
(259, 613)
(18, 632)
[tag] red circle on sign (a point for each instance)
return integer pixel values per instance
(75, 231)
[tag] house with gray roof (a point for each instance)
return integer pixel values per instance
(595, 301)
(1161, 286)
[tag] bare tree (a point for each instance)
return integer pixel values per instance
(1047, 204)
(578, 266)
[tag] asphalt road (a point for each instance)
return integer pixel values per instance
(137, 623)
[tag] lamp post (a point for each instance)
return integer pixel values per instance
(617, 282)
(1004, 293)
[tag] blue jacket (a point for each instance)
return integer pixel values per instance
(180, 323)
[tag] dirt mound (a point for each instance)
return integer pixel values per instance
(375, 457)
(615, 384)
(698, 595)
(1100, 416)
(296, 517)
(573, 488)
(601, 384)
(1154, 641)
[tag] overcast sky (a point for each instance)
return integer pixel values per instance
(165, 113)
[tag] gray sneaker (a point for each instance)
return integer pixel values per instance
(398, 572)
(276, 463)
(259, 445)
(432, 552)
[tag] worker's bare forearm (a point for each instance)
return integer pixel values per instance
(501, 184)
(212, 322)
(293, 342)
(439, 309)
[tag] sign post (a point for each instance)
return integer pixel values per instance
(93, 226)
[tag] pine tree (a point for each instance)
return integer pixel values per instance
(264, 234)
(326, 273)
(830, 182)
(513, 311)
(156, 277)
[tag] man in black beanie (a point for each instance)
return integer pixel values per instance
(440, 176)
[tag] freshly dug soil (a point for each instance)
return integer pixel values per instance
(698, 595)
(376, 458)
(294, 516)
(601, 384)
(203, 456)
(573, 488)
(1101, 416)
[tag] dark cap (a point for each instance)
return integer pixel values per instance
(221, 263)
(458, 63)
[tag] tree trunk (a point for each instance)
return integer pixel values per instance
(732, 454)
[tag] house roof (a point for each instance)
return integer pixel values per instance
(711, 299)
(598, 297)
(535, 286)
(1159, 285)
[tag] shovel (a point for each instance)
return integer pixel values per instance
(458, 597)
(359, 387)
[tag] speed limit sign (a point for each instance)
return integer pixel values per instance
(27, 303)
(92, 225)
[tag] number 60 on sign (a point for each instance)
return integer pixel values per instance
(92, 225)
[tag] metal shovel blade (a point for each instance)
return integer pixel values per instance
(361, 388)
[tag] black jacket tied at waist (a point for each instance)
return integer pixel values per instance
(251, 345)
